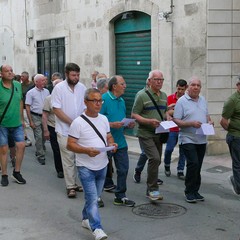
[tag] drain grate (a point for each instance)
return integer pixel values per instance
(159, 210)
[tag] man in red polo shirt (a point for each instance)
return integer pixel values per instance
(173, 134)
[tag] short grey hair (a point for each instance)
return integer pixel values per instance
(101, 82)
(37, 77)
(89, 91)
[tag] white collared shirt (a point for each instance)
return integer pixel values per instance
(69, 101)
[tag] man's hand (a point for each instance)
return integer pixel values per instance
(93, 152)
(116, 124)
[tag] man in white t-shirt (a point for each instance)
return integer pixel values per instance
(68, 103)
(91, 162)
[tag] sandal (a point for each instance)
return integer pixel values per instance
(71, 193)
(78, 189)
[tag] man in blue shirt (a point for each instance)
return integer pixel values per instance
(115, 110)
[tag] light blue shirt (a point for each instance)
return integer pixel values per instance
(187, 109)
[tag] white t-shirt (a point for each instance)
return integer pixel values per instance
(87, 137)
(70, 102)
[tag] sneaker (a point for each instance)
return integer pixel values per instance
(159, 181)
(154, 195)
(137, 177)
(190, 197)
(85, 224)
(100, 203)
(110, 188)
(41, 160)
(199, 197)
(123, 202)
(231, 181)
(99, 234)
(28, 142)
(4, 180)
(180, 175)
(167, 171)
(60, 175)
(18, 177)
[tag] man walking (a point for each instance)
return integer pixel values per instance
(190, 113)
(115, 110)
(68, 103)
(11, 104)
(91, 163)
(34, 108)
(173, 134)
(231, 122)
(149, 117)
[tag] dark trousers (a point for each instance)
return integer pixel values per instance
(194, 154)
(55, 149)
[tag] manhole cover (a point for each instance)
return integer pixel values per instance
(159, 210)
(218, 169)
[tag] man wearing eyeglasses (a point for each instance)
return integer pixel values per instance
(68, 103)
(115, 110)
(148, 118)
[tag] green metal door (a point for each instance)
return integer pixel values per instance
(133, 54)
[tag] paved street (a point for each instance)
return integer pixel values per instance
(40, 209)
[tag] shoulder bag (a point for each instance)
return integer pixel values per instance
(163, 136)
(6, 108)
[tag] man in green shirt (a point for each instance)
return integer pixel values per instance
(231, 122)
(10, 125)
(148, 118)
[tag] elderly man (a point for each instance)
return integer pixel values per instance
(68, 103)
(231, 122)
(11, 104)
(115, 110)
(149, 117)
(34, 105)
(190, 113)
(91, 163)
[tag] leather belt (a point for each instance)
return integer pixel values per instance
(36, 114)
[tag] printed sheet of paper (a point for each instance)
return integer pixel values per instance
(206, 129)
(127, 121)
(105, 149)
(164, 126)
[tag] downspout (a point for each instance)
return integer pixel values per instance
(166, 15)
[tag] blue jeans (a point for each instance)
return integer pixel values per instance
(194, 154)
(121, 161)
(171, 143)
(142, 160)
(92, 182)
(233, 145)
(16, 134)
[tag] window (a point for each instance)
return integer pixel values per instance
(51, 56)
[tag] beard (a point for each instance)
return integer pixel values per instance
(72, 82)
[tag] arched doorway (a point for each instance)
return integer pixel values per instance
(133, 52)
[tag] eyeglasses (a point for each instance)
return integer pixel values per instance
(158, 79)
(95, 101)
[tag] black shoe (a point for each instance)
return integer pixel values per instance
(123, 202)
(100, 203)
(60, 175)
(4, 180)
(137, 177)
(232, 182)
(110, 188)
(167, 171)
(190, 197)
(18, 177)
(41, 160)
(181, 176)
(199, 197)
(159, 181)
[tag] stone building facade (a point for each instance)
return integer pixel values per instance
(186, 38)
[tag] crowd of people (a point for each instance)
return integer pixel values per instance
(86, 132)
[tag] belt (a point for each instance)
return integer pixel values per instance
(36, 114)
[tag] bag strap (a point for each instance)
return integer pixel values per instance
(6, 108)
(155, 104)
(94, 128)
